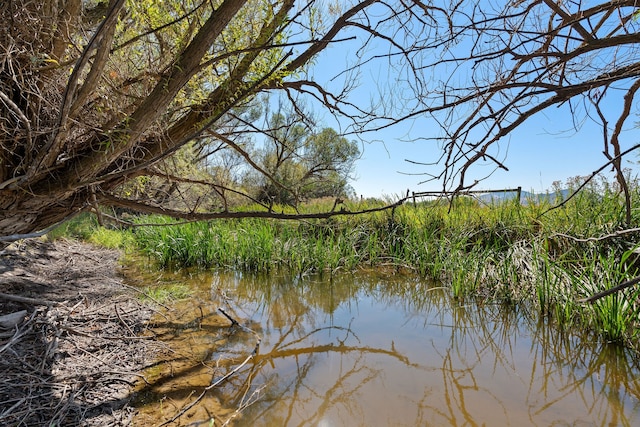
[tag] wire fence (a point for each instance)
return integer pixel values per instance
(438, 194)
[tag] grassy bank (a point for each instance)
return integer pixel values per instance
(85, 227)
(543, 260)
(504, 252)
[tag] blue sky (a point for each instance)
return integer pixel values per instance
(545, 149)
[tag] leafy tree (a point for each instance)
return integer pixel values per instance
(328, 160)
(279, 158)
(299, 164)
(96, 94)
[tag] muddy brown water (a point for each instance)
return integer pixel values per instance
(376, 349)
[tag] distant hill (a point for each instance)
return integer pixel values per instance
(526, 197)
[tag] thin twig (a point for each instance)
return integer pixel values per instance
(224, 377)
(244, 405)
(209, 387)
(592, 176)
(115, 307)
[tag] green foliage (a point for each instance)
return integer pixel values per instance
(85, 227)
(615, 317)
(504, 252)
(79, 227)
(109, 238)
(301, 163)
(171, 193)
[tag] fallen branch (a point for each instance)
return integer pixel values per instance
(26, 328)
(11, 320)
(27, 300)
(224, 377)
(597, 239)
(233, 321)
(610, 291)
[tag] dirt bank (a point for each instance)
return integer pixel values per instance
(79, 339)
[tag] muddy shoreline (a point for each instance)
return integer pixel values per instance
(80, 338)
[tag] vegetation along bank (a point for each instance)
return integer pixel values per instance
(546, 257)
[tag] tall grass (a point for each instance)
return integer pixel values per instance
(85, 227)
(614, 317)
(512, 253)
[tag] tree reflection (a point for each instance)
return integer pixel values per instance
(381, 350)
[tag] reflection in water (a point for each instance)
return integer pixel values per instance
(382, 350)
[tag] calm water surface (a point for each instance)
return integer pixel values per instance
(377, 349)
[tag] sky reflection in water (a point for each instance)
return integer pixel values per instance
(389, 350)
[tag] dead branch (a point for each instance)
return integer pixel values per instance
(205, 216)
(619, 233)
(27, 300)
(11, 320)
(525, 58)
(225, 377)
(610, 291)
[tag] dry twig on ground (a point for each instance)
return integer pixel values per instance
(74, 358)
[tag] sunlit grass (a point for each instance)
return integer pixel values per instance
(109, 238)
(85, 227)
(80, 227)
(508, 253)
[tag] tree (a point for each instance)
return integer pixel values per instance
(278, 157)
(329, 159)
(96, 94)
(497, 64)
(298, 163)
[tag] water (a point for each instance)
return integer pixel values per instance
(379, 349)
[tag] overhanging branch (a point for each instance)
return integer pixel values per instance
(110, 200)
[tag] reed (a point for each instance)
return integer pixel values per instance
(506, 252)
(616, 316)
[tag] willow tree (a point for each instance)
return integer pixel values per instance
(298, 162)
(96, 94)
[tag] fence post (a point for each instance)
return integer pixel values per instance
(519, 195)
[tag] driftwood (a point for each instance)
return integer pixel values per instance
(11, 320)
